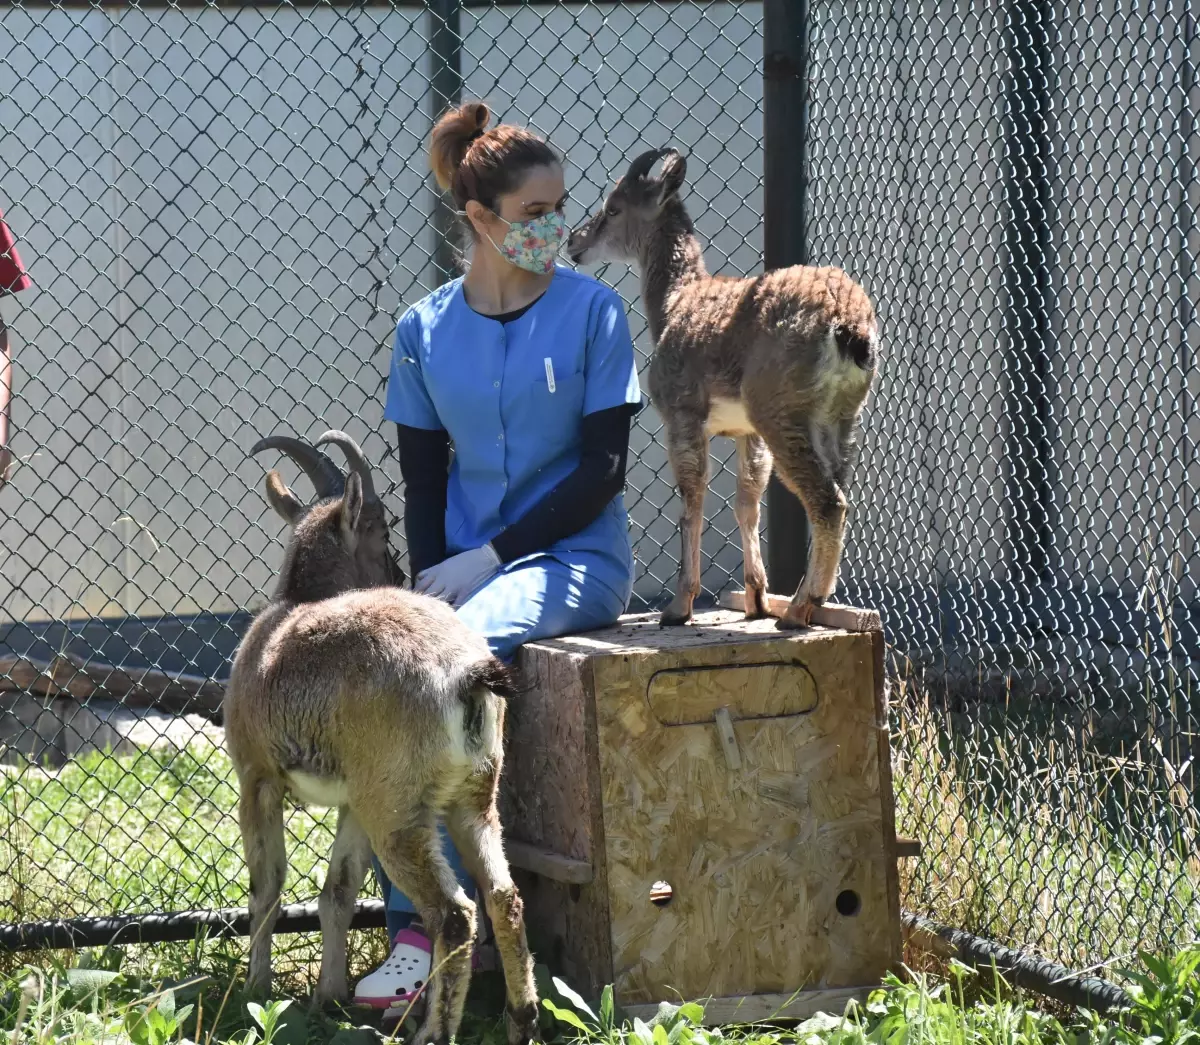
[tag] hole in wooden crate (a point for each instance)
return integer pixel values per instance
(661, 894)
(848, 903)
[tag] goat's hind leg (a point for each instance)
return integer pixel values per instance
(687, 450)
(260, 814)
(413, 860)
(808, 475)
(348, 862)
(754, 469)
(475, 828)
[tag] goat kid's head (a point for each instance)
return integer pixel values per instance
(340, 542)
(621, 228)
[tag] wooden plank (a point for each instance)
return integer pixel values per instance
(67, 674)
(24, 674)
(907, 847)
(641, 634)
(758, 1008)
(556, 867)
(831, 615)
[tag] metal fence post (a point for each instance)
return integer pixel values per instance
(1027, 282)
(445, 90)
(785, 181)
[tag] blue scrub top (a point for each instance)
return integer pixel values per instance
(511, 396)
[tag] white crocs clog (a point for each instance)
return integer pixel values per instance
(398, 979)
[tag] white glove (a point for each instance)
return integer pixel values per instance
(460, 575)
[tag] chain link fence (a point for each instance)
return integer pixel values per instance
(224, 208)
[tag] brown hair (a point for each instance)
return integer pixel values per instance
(475, 163)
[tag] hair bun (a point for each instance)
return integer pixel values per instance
(452, 137)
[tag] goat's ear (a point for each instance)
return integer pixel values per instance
(352, 507)
(671, 179)
(282, 499)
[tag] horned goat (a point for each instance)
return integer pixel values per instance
(782, 362)
(348, 691)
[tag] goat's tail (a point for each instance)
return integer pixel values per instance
(482, 684)
(859, 344)
(492, 674)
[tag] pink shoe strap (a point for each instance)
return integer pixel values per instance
(419, 940)
(414, 939)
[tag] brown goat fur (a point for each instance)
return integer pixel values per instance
(781, 362)
(349, 691)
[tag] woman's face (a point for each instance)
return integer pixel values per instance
(542, 190)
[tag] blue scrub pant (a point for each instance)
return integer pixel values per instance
(539, 599)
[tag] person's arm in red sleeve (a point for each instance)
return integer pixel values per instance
(12, 280)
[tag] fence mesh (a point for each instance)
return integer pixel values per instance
(224, 208)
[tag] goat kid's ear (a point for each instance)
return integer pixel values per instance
(352, 507)
(671, 179)
(286, 503)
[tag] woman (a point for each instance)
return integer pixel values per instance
(528, 370)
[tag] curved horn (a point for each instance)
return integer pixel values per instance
(354, 458)
(641, 166)
(327, 480)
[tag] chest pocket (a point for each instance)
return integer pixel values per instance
(550, 401)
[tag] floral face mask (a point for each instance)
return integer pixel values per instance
(534, 244)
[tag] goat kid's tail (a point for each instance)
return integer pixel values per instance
(495, 675)
(482, 684)
(858, 344)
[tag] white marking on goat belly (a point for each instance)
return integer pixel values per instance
(727, 417)
(317, 790)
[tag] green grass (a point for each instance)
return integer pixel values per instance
(1021, 842)
(150, 832)
(193, 995)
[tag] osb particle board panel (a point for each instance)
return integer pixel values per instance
(756, 856)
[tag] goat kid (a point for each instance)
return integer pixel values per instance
(781, 362)
(348, 691)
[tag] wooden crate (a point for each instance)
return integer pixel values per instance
(746, 767)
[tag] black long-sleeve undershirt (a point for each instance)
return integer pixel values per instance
(425, 469)
(571, 505)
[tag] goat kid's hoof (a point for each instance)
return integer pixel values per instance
(401, 1015)
(797, 617)
(324, 1000)
(427, 1035)
(258, 986)
(755, 603)
(522, 1026)
(675, 614)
